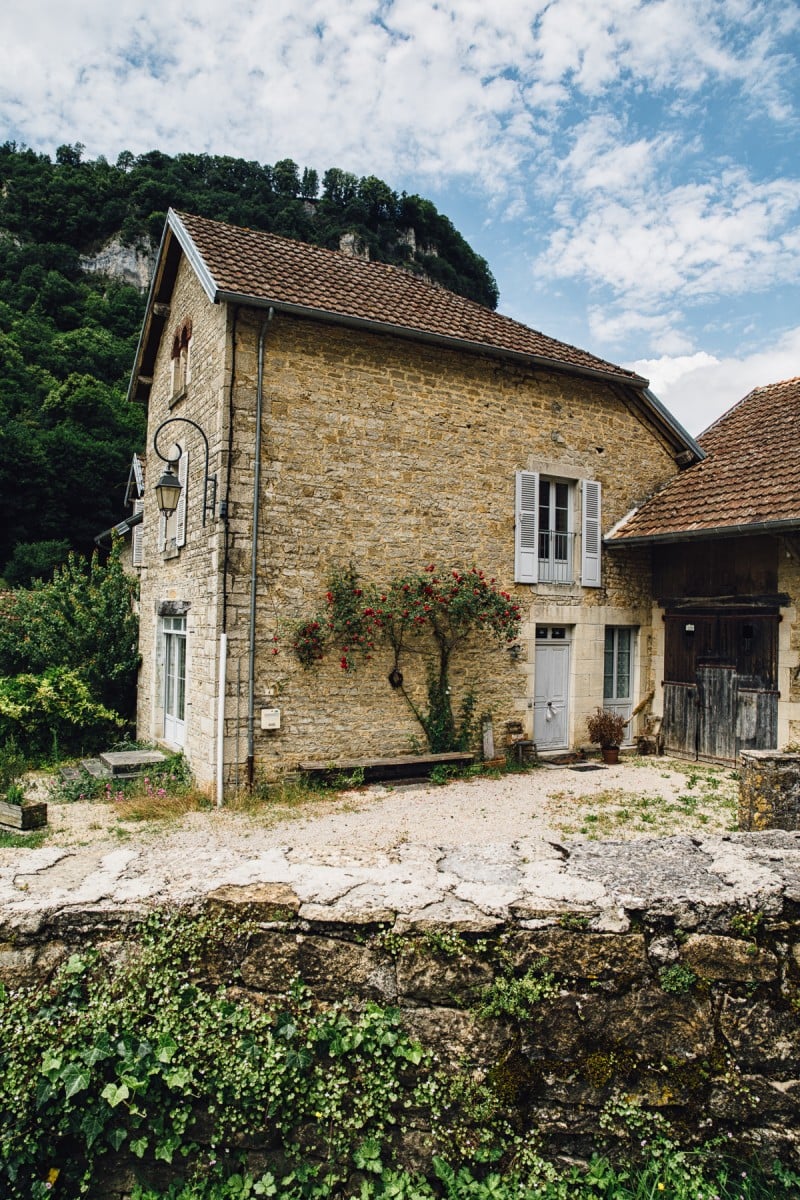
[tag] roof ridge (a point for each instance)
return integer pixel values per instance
(439, 311)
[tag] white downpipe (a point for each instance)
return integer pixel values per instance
(223, 670)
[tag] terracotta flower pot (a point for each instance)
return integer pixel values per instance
(610, 754)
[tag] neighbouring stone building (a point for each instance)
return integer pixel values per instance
(725, 541)
(355, 413)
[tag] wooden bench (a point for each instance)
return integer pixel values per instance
(404, 766)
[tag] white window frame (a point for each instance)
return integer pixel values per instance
(173, 633)
(623, 705)
(528, 566)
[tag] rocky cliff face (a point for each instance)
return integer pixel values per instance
(127, 264)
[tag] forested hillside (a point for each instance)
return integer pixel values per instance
(67, 338)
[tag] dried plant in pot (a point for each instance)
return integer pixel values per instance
(607, 730)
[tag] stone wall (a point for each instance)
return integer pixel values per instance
(769, 793)
(676, 964)
(188, 576)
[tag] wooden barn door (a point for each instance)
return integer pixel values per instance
(716, 713)
(720, 693)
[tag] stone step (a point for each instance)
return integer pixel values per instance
(128, 764)
(95, 768)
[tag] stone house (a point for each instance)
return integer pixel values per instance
(333, 411)
(725, 540)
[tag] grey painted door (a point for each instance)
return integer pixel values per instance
(551, 696)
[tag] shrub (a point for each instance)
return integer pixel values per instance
(12, 764)
(68, 657)
(606, 728)
(54, 712)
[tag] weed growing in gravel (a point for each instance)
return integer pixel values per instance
(710, 800)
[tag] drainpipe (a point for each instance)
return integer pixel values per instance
(223, 666)
(223, 637)
(251, 656)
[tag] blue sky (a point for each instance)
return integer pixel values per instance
(630, 169)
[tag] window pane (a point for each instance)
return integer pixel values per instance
(623, 663)
(608, 666)
(544, 505)
(561, 514)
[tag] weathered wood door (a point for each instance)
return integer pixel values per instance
(716, 712)
(720, 693)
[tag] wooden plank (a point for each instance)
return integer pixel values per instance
(403, 760)
(23, 816)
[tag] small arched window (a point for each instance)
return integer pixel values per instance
(182, 358)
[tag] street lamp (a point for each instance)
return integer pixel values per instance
(168, 489)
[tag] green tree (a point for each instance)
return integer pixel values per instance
(82, 626)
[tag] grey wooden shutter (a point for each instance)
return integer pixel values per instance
(526, 531)
(137, 555)
(180, 513)
(591, 535)
(162, 532)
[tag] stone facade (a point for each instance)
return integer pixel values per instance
(789, 645)
(388, 454)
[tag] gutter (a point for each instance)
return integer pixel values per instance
(787, 525)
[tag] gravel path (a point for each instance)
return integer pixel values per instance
(484, 842)
(639, 797)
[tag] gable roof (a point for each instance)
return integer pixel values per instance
(748, 482)
(246, 266)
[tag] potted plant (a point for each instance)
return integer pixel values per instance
(15, 810)
(607, 730)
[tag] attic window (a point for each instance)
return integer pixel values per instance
(181, 359)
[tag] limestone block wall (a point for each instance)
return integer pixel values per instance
(769, 793)
(393, 455)
(675, 966)
(187, 578)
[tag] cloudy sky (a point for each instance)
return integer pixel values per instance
(629, 168)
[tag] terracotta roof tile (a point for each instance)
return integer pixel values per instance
(750, 477)
(271, 269)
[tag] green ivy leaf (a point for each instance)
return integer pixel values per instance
(116, 1136)
(167, 1049)
(75, 1079)
(139, 1146)
(115, 1094)
(92, 1126)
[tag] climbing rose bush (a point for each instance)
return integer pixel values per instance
(431, 612)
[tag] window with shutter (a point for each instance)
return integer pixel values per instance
(592, 534)
(137, 554)
(544, 530)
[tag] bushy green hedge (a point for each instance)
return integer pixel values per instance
(68, 658)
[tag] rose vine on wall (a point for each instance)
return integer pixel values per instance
(430, 613)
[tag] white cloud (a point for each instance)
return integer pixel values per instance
(589, 124)
(652, 251)
(698, 388)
